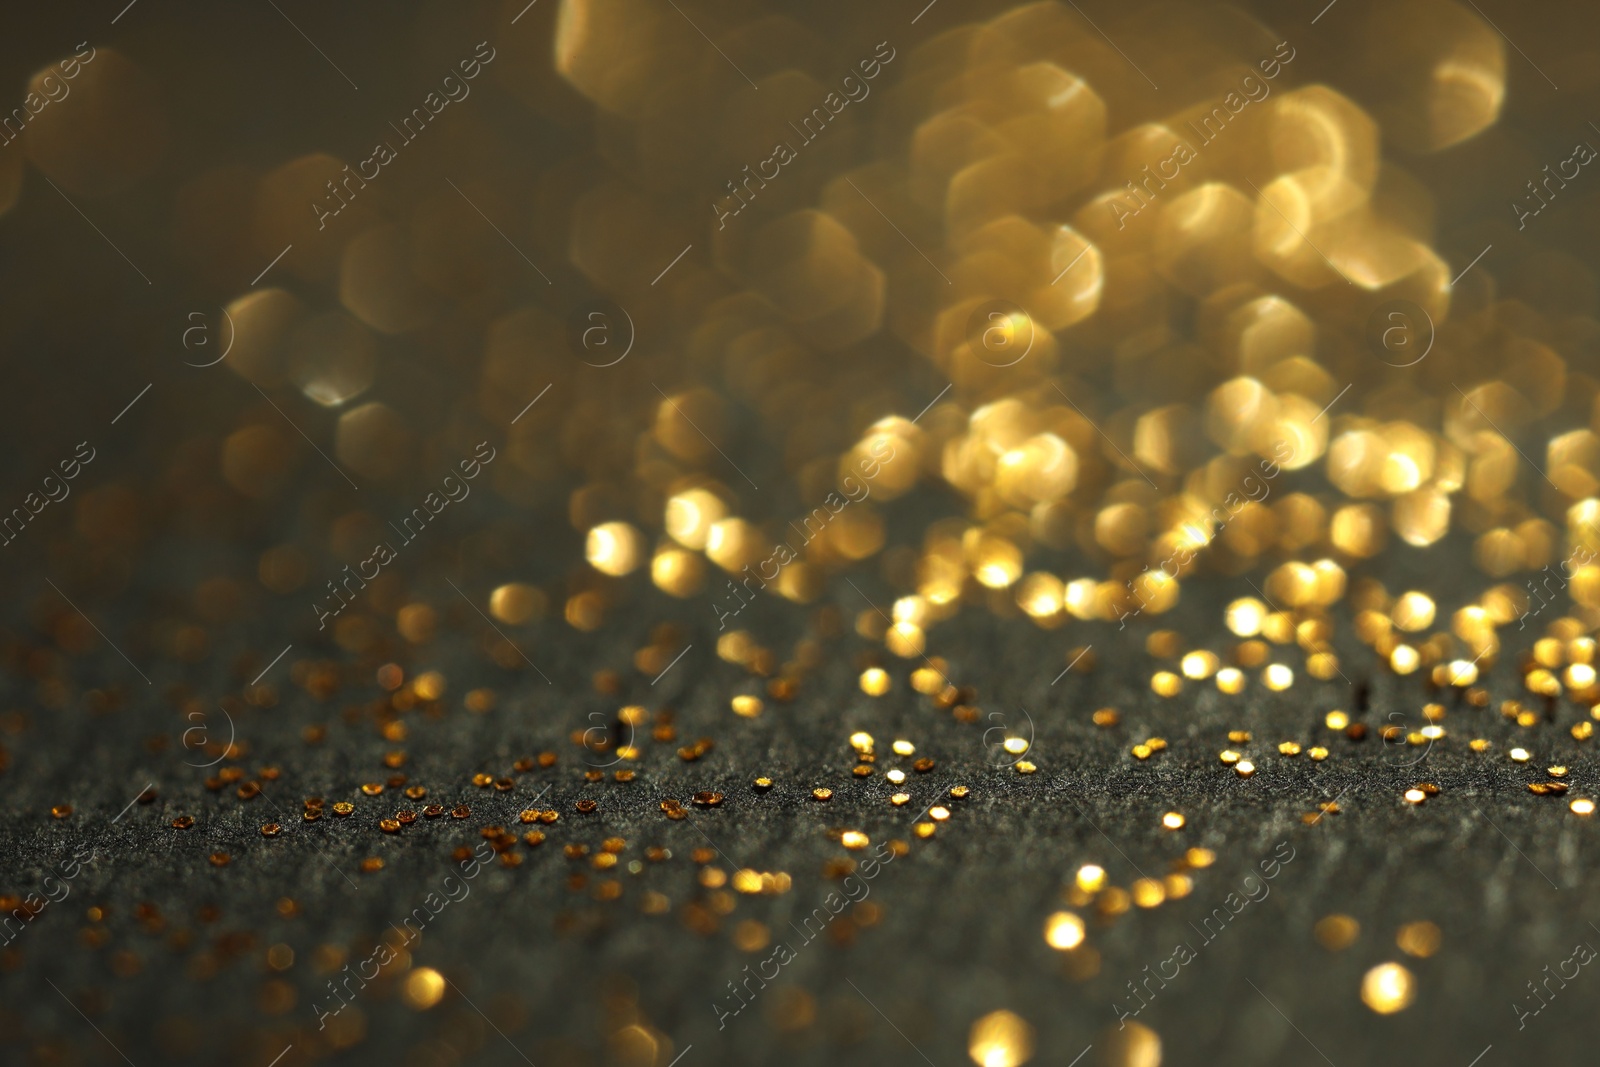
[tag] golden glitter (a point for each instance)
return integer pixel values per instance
(1336, 720)
(746, 706)
(706, 799)
(938, 813)
(1244, 768)
(861, 741)
(1091, 878)
(959, 792)
(862, 770)
(1026, 767)
(183, 822)
(372, 789)
(1244, 616)
(906, 748)
(822, 794)
(1556, 771)
(585, 807)
(1277, 677)
(1229, 756)
(1239, 737)
(1141, 751)
(853, 839)
(1479, 744)
(1289, 748)
(1149, 892)
(433, 811)
(371, 865)
(923, 829)
(900, 799)
(1582, 731)
(923, 765)
(1063, 930)
(422, 989)
(1016, 746)
(874, 681)
(896, 776)
(271, 829)
(1199, 665)
(762, 784)
(1415, 796)
(1000, 1039)
(1173, 820)
(1199, 857)
(460, 811)
(1420, 939)
(1230, 680)
(533, 838)
(1317, 752)
(220, 859)
(1520, 755)
(1582, 806)
(389, 826)
(1166, 683)
(1388, 988)
(1106, 717)
(1335, 932)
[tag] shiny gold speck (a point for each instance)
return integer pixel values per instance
(900, 800)
(1244, 768)
(343, 807)
(861, 770)
(923, 829)
(1026, 767)
(1520, 755)
(533, 838)
(372, 789)
(822, 794)
(1582, 806)
(1336, 932)
(1173, 820)
(959, 792)
(585, 807)
(460, 811)
(271, 829)
(220, 859)
(1239, 737)
(1106, 718)
(1228, 756)
(1318, 753)
(1479, 744)
(1420, 939)
(762, 784)
(923, 765)
(1141, 752)
(1556, 771)
(708, 799)
(433, 811)
(1289, 748)
(1415, 796)
(389, 826)
(372, 864)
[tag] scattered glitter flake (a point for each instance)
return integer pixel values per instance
(861, 770)
(1415, 796)
(1289, 748)
(896, 776)
(906, 748)
(923, 829)
(1106, 718)
(271, 829)
(1336, 932)
(822, 794)
(1556, 771)
(853, 839)
(1479, 744)
(342, 808)
(1091, 878)
(705, 799)
(1336, 720)
(1419, 939)
(874, 681)
(1388, 988)
(1521, 755)
(900, 800)
(1229, 756)
(371, 864)
(460, 811)
(1199, 858)
(747, 706)
(762, 784)
(1239, 737)
(1173, 820)
(1244, 768)
(389, 826)
(183, 822)
(533, 838)
(938, 813)
(1141, 752)
(1166, 683)
(1000, 1039)
(1317, 752)
(220, 859)
(61, 811)
(422, 988)
(1064, 931)
(1582, 806)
